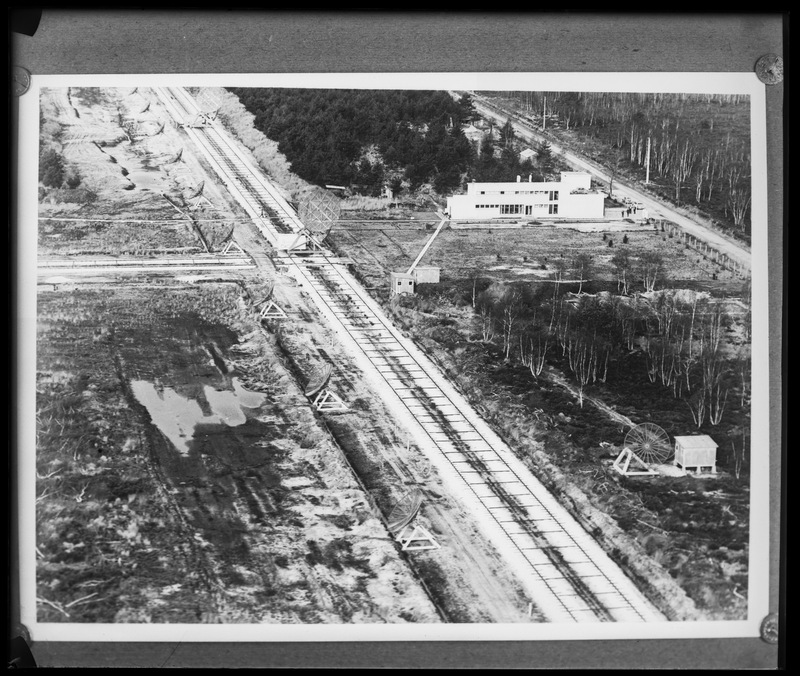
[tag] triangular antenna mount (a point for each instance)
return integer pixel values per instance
(630, 464)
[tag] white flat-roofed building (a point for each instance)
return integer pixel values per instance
(570, 197)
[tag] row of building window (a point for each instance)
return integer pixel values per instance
(519, 208)
(553, 193)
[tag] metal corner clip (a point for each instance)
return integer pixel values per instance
(769, 69)
(20, 80)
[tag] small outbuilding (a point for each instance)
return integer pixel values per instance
(402, 283)
(696, 453)
(426, 274)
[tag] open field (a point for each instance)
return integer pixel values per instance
(527, 254)
(183, 476)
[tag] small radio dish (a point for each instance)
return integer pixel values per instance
(208, 100)
(319, 381)
(404, 511)
(649, 442)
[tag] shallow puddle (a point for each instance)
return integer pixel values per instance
(178, 417)
(146, 178)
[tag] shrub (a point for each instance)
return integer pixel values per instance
(73, 178)
(51, 168)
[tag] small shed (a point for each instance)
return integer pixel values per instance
(696, 453)
(426, 274)
(401, 283)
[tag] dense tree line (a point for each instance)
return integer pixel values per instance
(368, 139)
(699, 143)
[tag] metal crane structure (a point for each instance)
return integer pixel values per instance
(403, 283)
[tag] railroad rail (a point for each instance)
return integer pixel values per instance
(567, 574)
(265, 205)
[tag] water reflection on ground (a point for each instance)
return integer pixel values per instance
(178, 416)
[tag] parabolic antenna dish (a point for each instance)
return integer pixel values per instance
(649, 442)
(404, 511)
(270, 288)
(319, 210)
(208, 99)
(319, 381)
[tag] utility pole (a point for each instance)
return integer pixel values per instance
(544, 113)
(647, 162)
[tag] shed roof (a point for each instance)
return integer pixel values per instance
(696, 441)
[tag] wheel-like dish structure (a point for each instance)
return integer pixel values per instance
(404, 511)
(649, 442)
(208, 100)
(319, 381)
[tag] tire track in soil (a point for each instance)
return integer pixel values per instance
(561, 381)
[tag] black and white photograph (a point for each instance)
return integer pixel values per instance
(395, 357)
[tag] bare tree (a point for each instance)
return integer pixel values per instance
(651, 266)
(534, 351)
(511, 308)
(583, 360)
(738, 454)
(718, 397)
(559, 269)
(487, 321)
(739, 204)
(621, 261)
(582, 263)
(697, 405)
(743, 371)
(682, 169)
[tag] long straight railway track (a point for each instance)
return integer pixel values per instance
(567, 574)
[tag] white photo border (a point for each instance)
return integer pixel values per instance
(26, 228)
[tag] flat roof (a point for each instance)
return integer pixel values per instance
(696, 441)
